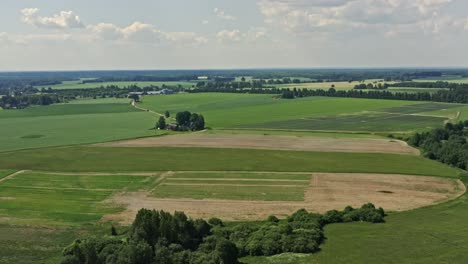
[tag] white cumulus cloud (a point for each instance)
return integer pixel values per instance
(63, 20)
(333, 16)
(139, 32)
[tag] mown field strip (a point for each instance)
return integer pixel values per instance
(234, 185)
(234, 179)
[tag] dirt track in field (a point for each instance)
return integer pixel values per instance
(326, 191)
(273, 142)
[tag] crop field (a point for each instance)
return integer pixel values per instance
(67, 124)
(236, 187)
(111, 159)
(64, 200)
(378, 122)
(283, 142)
(435, 234)
(81, 85)
(263, 111)
(237, 196)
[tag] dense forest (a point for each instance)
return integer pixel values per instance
(448, 145)
(160, 237)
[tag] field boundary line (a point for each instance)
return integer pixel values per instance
(13, 175)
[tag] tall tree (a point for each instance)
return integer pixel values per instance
(161, 124)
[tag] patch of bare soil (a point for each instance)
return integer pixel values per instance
(326, 191)
(274, 142)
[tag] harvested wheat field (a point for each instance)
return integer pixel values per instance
(325, 191)
(273, 142)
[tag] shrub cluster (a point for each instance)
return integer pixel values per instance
(159, 237)
(447, 145)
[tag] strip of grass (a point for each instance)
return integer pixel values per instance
(251, 193)
(304, 177)
(105, 159)
(292, 133)
(114, 182)
(237, 182)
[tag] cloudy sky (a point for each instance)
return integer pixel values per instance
(185, 34)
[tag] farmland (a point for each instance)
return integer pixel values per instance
(71, 170)
(77, 123)
(110, 159)
(313, 113)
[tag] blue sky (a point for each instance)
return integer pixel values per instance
(177, 34)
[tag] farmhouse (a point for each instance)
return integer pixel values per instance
(163, 91)
(172, 127)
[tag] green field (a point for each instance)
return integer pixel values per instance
(64, 200)
(234, 186)
(40, 244)
(80, 85)
(312, 113)
(4, 173)
(236, 175)
(77, 123)
(105, 159)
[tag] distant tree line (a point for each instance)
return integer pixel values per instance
(448, 145)
(438, 84)
(23, 101)
(448, 96)
(160, 237)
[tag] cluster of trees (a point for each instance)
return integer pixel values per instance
(302, 232)
(23, 101)
(160, 237)
(190, 121)
(448, 145)
(156, 237)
